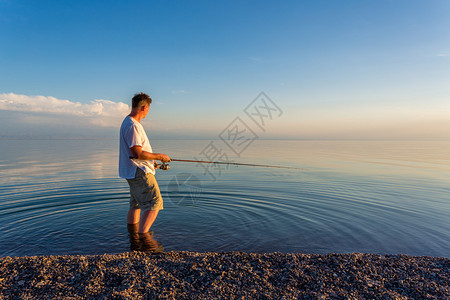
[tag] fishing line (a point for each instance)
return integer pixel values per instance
(165, 166)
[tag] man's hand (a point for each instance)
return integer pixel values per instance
(164, 158)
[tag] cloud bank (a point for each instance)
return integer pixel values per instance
(100, 112)
(23, 116)
(44, 117)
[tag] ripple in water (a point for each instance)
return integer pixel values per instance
(68, 207)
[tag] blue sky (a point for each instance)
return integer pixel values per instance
(337, 69)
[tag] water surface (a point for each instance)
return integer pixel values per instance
(65, 197)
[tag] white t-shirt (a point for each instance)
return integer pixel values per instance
(133, 134)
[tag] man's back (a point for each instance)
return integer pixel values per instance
(133, 134)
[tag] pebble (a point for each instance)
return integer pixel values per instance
(225, 275)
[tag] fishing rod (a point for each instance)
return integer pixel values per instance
(165, 166)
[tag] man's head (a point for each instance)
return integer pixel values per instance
(140, 100)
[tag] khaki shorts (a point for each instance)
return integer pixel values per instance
(144, 191)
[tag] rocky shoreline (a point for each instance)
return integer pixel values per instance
(227, 275)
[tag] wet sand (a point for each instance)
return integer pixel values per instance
(227, 275)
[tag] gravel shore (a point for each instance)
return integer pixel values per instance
(228, 275)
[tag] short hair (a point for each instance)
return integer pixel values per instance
(140, 99)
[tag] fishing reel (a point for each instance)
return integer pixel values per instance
(164, 166)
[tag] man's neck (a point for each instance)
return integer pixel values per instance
(136, 115)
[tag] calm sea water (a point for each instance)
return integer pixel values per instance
(65, 197)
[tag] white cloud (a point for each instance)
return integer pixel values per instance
(103, 113)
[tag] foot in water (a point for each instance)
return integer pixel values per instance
(134, 236)
(148, 243)
(142, 241)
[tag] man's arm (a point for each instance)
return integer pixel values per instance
(144, 155)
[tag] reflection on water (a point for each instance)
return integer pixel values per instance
(60, 197)
(144, 242)
(133, 234)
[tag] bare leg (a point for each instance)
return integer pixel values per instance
(133, 216)
(134, 236)
(148, 217)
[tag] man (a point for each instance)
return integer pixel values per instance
(137, 166)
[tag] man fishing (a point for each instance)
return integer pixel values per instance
(137, 166)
